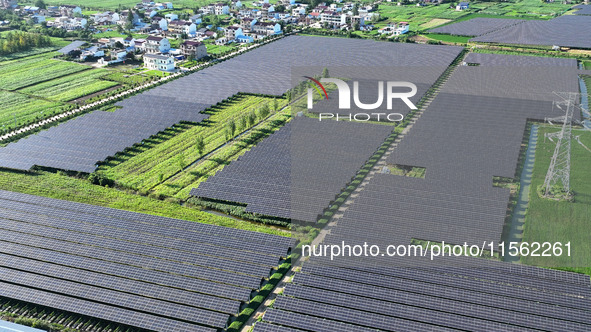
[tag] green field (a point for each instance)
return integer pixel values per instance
(553, 221)
(448, 38)
(23, 109)
(416, 16)
(181, 184)
(525, 8)
(70, 87)
(81, 190)
(16, 74)
(146, 166)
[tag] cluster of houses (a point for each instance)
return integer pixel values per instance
(155, 51)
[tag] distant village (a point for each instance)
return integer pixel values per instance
(193, 33)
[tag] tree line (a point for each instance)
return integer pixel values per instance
(22, 41)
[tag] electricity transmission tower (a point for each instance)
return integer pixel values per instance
(559, 170)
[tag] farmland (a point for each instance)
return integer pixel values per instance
(448, 38)
(181, 184)
(553, 221)
(168, 154)
(16, 74)
(22, 109)
(72, 86)
(418, 17)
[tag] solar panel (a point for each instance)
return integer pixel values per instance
(180, 277)
(477, 26)
(567, 31)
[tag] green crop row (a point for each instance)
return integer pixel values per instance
(20, 73)
(149, 166)
(21, 109)
(181, 184)
(72, 86)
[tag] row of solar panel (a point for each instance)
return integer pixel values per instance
(157, 268)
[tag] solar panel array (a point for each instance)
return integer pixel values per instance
(469, 133)
(566, 31)
(84, 141)
(477, 26)
(296, 172)
(79, 144)
(583, 10)
(72, 46)
(146, 271)
(502, 297)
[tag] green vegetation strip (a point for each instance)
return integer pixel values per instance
(77, 189)
(181, 184)
(22, 109)
(16, 74)
(145, 166)
(72, 86)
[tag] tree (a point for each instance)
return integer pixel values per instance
(355, 11)
(325, 72)
(275, 105)
(200, 145)
(231, 128)
(40, 4)
(181, 162)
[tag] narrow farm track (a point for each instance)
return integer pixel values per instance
(127, 93)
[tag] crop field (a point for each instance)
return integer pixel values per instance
(525, 8)
(181, 184)
(133, 76)
(70, 87)
(16, 74)
(448, 38)
(553, 221)
(149, 166)
(417, 16)
(434, 23)
(22, 108)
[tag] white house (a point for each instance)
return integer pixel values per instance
(266, 28)
(171, 17)
(232, 32)
(333, 18)
(155, 44)
(129, 42)
(221, 9)
(462, 6)
(159, 62)
(179, 27)
(395, 29)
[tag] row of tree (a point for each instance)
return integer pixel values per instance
(22, 41)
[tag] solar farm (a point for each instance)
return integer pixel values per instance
(477, 26)
(186, 206)
(149, 272)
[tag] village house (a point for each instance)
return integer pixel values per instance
(155, 44)
(193, 49)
